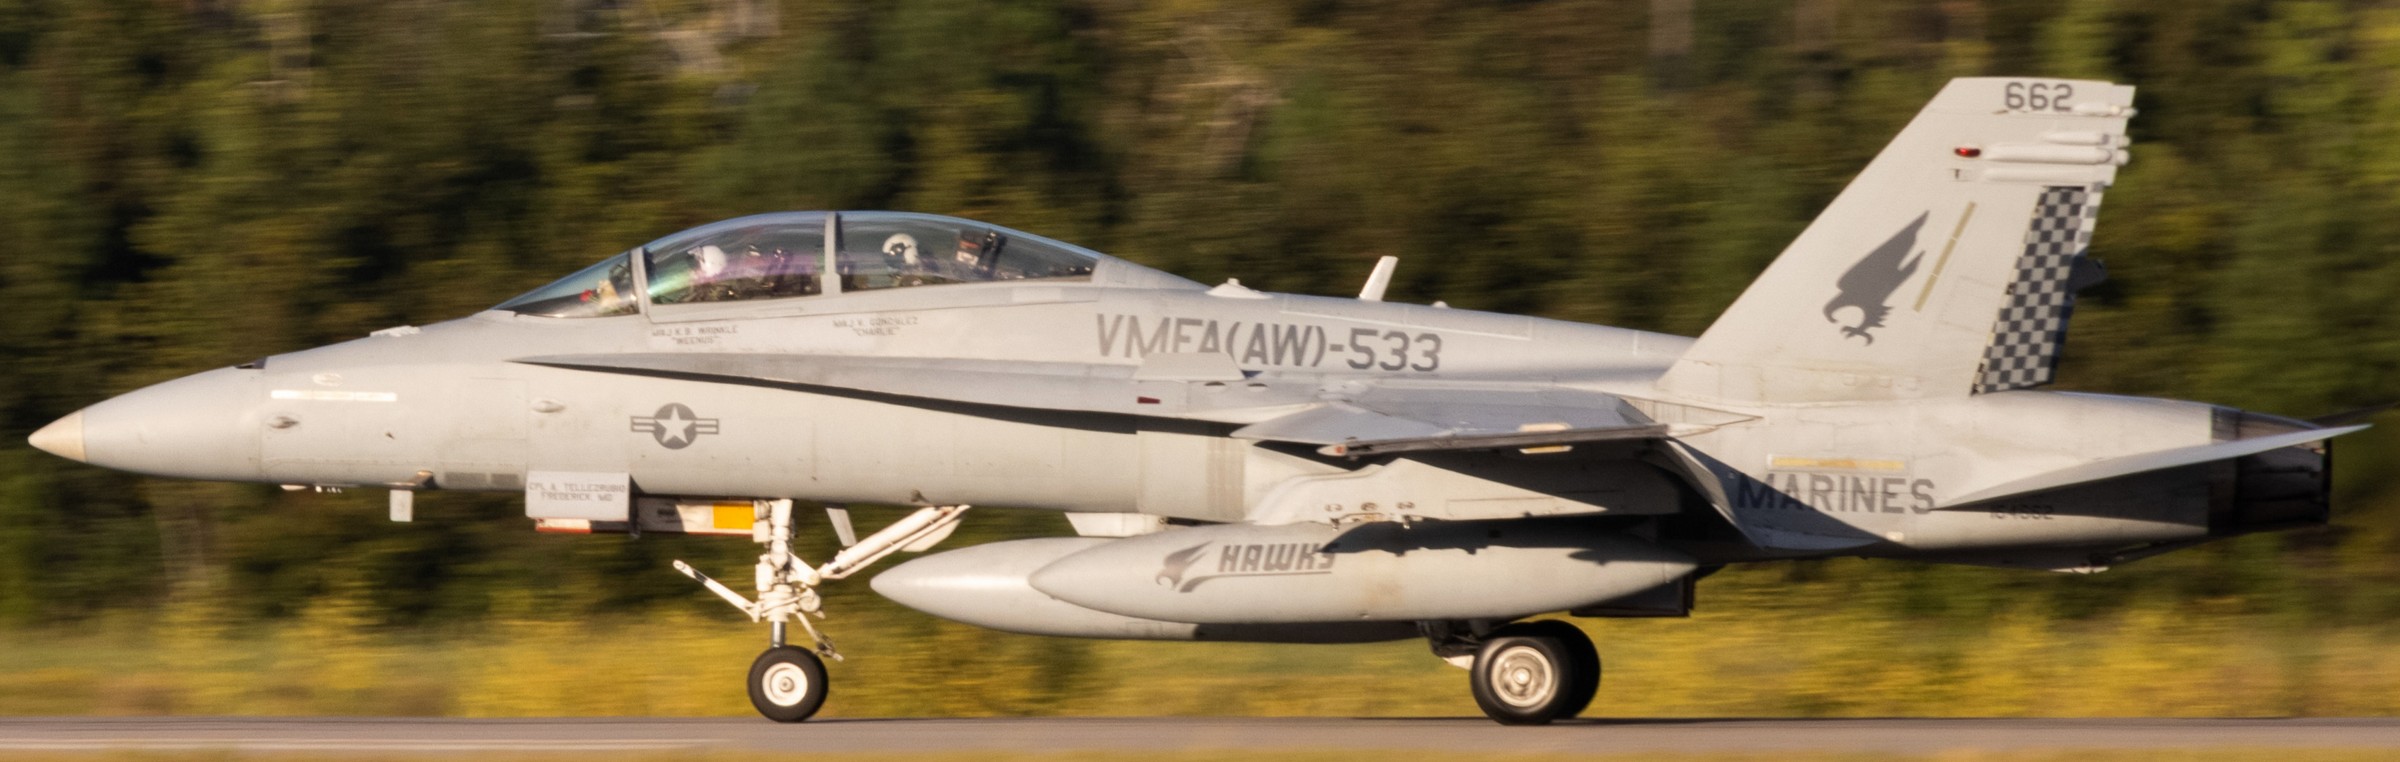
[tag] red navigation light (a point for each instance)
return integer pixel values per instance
(1968, 152)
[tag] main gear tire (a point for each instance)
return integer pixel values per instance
(1524, 675)
(787, 684)
(1587, 665)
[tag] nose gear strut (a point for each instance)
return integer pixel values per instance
(787, 684)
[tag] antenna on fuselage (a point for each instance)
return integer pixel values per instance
(1378, 280)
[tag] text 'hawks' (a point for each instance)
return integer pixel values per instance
(1271, 558)
(1275, 559)
(1253, 344)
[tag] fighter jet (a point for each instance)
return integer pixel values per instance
(1250, 466)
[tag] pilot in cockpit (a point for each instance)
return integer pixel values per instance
(710, 282)
(781, 271)
(907, 262)
(745, 270)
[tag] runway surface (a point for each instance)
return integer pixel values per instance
(1905, 736)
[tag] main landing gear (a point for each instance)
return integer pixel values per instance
(787, 684)
(1527, 673)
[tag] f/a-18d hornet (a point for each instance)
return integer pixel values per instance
(1249, 466)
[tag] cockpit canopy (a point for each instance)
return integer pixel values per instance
(786, 255)
(601, 290)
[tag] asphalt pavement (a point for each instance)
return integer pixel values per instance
(1902, 736)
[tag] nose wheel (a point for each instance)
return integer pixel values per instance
(787, 684)
(1531, 673)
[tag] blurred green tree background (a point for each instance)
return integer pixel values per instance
(187, 184)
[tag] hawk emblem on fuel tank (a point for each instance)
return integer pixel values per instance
(1177, 563)
(1870, 283)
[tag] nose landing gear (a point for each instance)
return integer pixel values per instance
(788, 684)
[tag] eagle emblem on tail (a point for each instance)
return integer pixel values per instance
(1870, 283)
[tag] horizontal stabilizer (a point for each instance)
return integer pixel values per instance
(2358, 415)
(2143, 463)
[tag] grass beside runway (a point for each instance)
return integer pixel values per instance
(1737, 657)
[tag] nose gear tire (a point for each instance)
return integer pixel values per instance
(787, 684)
(1528, 675)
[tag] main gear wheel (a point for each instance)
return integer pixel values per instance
(1531, 673)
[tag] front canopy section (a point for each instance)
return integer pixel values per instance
(601, 290)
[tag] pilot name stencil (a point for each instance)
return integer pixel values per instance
(577, 492)
(578, 495)
(876, 325)
(693, 335)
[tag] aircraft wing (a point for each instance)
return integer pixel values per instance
(1356, 419)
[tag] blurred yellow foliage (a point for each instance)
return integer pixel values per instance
(2144, 661)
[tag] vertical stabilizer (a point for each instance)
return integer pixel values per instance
(1947, 267)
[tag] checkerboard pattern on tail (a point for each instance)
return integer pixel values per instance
(2026, 337)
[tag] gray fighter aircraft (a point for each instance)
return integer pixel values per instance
(1247, 466)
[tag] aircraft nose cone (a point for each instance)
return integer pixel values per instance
(203, 426)
(63, 437)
